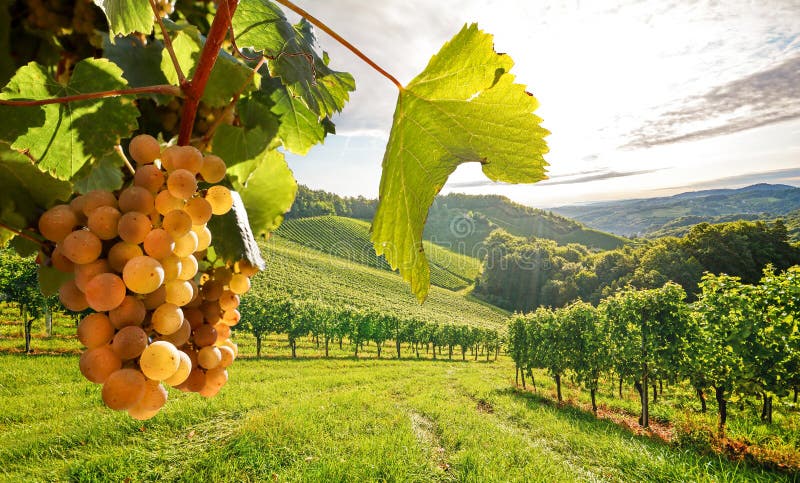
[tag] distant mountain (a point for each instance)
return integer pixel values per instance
(461, 222)
(675, 214)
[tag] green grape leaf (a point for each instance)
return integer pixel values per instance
(127, 16)
(464, 107)
(227, 76)
(261, 26)
(140, 63)
(269, 192)
(50, 279)
(300, 128)
(27, 191)
(64, 137)
(231, 236)
(104, 174)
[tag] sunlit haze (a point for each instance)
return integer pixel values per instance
(642, 98)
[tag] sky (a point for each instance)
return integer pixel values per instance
(642, 98)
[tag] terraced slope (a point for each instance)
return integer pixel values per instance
(348, 238)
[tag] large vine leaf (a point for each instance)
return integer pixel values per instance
(61, 138)
(140, 62)
(464, 107)
(232, 238)
(227, 76)
(300, 129)
(105, 174)
(269, 192)
(261, 26)
(127, 16)
(26, 191)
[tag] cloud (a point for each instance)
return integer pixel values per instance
(790, 176)
(766, 97)
(569, 178)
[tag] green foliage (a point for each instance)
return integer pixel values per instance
(440, 122)
(61, 138)
(127, 16)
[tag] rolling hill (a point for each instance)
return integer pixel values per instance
(669, 215)
(348, 238)
(309, 274)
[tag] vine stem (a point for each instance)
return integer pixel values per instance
(352, 48)
(168, 44)
(21, 233)
(160, 89)
(208, 57)
(121, 154)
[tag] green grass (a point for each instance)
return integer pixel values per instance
(326, 420)
(308, 274)
(348, 238)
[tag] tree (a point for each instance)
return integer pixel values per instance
(19, 284)
(262, 316)
(649, 330)
(589, 346)
(724, 313)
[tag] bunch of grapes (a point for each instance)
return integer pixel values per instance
(161, 312)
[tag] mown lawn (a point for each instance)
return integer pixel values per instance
(327, 420)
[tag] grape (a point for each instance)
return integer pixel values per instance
(160, 360)
(182, 184)
(150, 178)
(167, 318)
(199, 210)
(239, 284)
(85, 272)
(123, 389)
(71, 297)
(76, 205)
(194, 316)
(203, 237)
(246, 268)
(121, 253)
(165, 203)
(177, 223)
(195, 382)
(231, 346)
(223, 332)
(216, 378)
(223, 275)
(159, 244)
(97, 198)
(213, 169)
(131, 312)
(205, 335)
(137, 199)
(212, 290)
(180, 336)
(153, 399)
(129, 342)
(105, 292)
(185, 245)
(168, 155)
(188, 268)
(211, 311)
(155, 298)
(227, 356)
(104, 222)
(144, 149)
(98, 363)
(209, 357)
(179, 292)
(184, 368)
(196, 299)
(60, 262)
(95, 330)
(228, 300)
(189, 159)
(172, 267)
(143, 274)
(57, 222)
(220, 199)
(81, 246)
(231, 317)
(134, 227)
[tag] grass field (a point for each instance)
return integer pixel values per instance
(327, 420)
